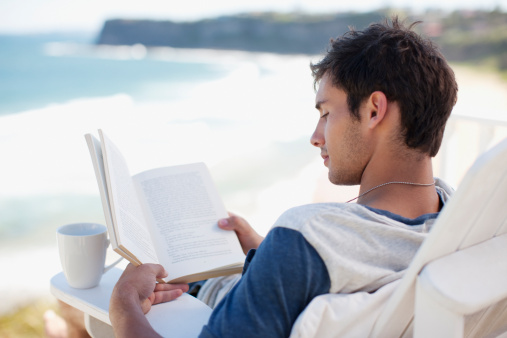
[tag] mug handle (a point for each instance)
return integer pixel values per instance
(109, 267)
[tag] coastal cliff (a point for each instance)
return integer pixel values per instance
(267, 32)
(464, 36)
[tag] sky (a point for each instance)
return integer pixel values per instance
(45, 16)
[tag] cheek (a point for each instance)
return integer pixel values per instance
(333, 135)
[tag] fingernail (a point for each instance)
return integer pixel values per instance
(223, 222)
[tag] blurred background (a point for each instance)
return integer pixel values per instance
(228, 84)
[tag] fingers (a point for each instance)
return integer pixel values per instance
(167, 292)
(140, 279)
(234, 222)
(247, 236)
(168, 287)
(166, 296)
(137, 284)
(224, 224)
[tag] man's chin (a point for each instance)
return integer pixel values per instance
(340, 179)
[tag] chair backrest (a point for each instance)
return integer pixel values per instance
(476, 212)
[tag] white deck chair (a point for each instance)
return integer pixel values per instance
(457, 283)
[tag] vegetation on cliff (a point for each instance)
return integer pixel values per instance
(266, 32)
(464, 36)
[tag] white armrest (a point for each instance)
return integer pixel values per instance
(482, 266)
(460, 284)
(183, 317)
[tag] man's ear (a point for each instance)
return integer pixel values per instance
(376, 108)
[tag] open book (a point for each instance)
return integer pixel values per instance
(166, 215)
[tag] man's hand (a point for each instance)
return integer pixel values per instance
(134, 294)
(247, 236)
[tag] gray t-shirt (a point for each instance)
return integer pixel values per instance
(312, 250)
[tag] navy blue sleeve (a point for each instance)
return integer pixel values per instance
(282, 276)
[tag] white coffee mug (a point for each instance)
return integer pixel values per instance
(83, 249)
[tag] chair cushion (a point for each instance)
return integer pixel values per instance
(342, 315)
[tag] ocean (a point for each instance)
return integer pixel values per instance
(162, 106)
(40, 70)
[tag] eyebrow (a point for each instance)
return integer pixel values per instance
(319, 103)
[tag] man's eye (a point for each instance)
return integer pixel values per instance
(324, 115)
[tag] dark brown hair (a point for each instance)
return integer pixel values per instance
(408, 69)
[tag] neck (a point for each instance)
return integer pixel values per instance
(406, 200)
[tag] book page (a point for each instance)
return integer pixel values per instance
(95, 150)
(126, 213)
(98, 166)
(184, 206)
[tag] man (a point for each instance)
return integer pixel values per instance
(384, 96)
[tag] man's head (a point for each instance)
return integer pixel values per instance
(406, 68)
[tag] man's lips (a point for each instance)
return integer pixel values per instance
(326, 158)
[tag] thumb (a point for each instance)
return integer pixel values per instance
(224, 223)
(162, 273)
(155, 269)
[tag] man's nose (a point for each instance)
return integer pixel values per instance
(317, 138)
